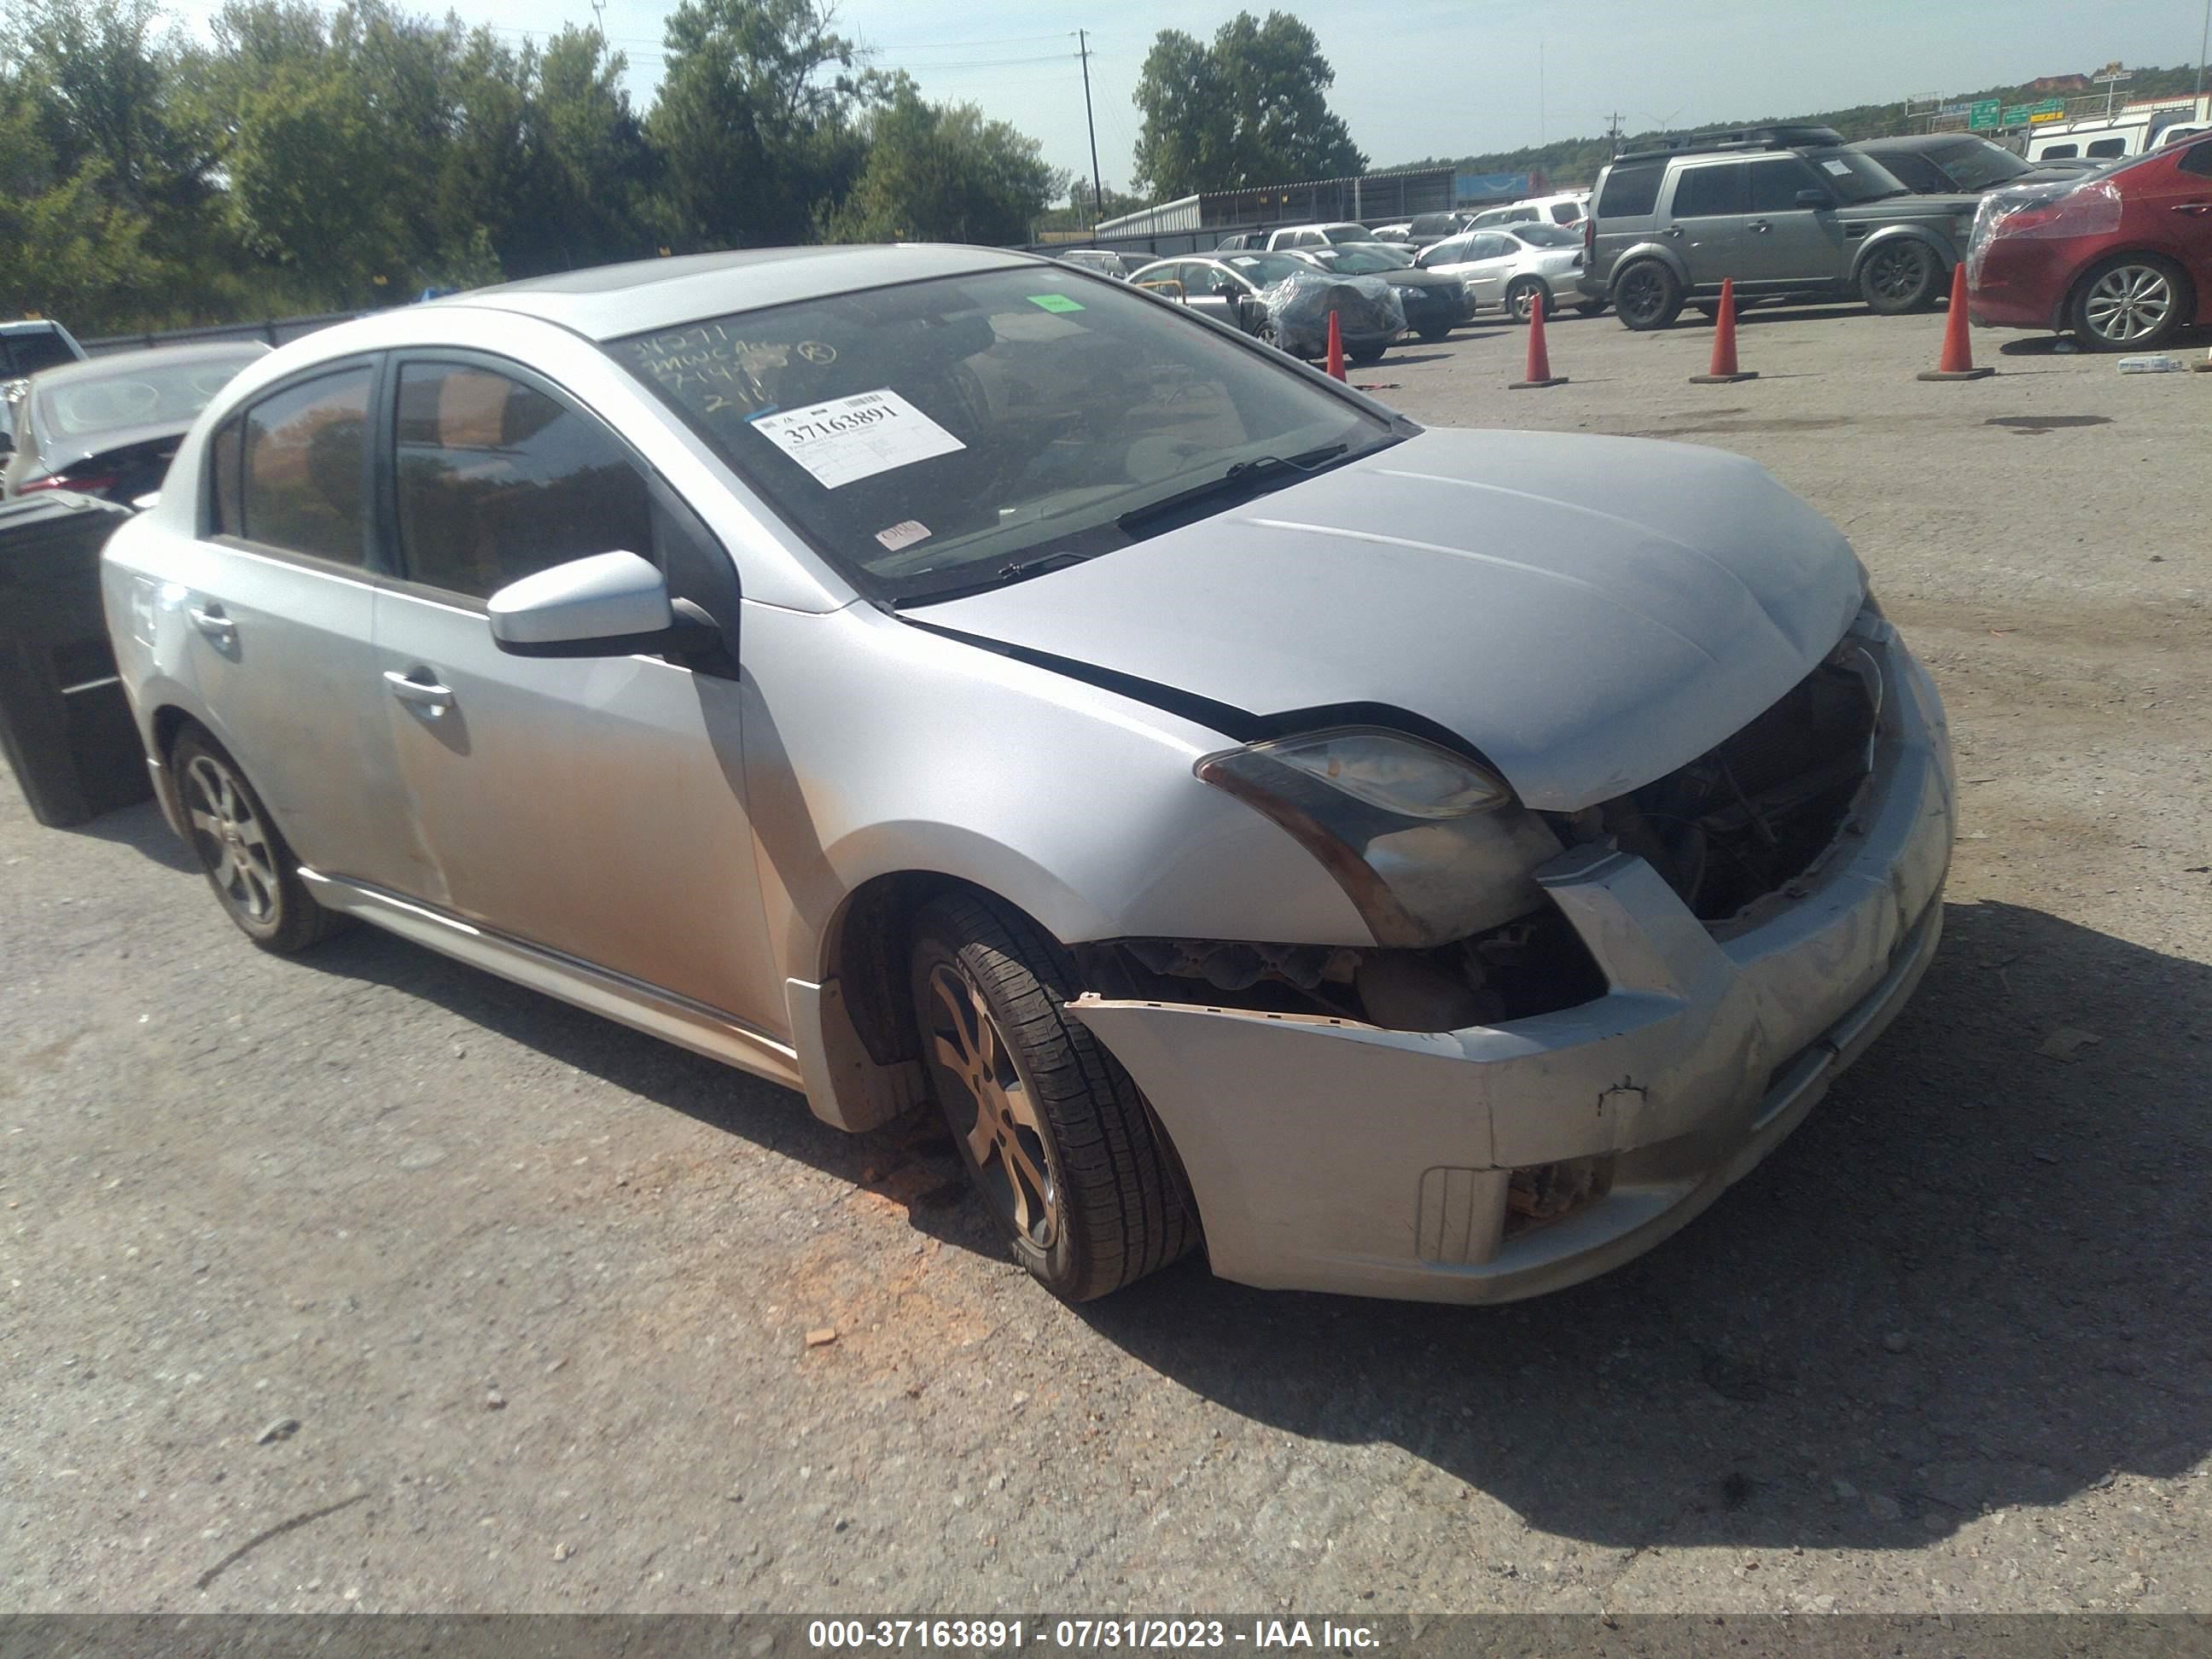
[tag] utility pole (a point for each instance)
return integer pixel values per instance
(2204, 40)
(1097, 189)
(1613, 131)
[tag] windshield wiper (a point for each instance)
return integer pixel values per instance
(1020, 570)
(1241, 475)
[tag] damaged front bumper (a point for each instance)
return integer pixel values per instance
(1331, 1155)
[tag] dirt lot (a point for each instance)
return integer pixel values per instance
(535, 1290)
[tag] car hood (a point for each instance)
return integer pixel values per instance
(1891, 209)
(1588, 613)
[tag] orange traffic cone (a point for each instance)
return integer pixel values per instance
(1957, 362)
(1335, 348)
(1538, 372)
(1723, 371)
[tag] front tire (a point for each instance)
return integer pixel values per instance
(1053, 1134)
(2130, 303)
(1902, 276)
(1367, 354)
(1436, 335)
(255, 876)
(1647, 296)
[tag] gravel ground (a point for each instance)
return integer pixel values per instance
(365, 1280)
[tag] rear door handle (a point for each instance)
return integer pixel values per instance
(211, 621)
(423, 693)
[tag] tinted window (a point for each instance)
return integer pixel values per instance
(1435, 224)
(1700, 193)
(302, 488)
(2198, 160)
(1566, 213)
(1773, 185)
(2108, 147)
(497, 482)
(27, 354)
(1915, 172)
(927, 435)
(1630, 193)
(2061, 153)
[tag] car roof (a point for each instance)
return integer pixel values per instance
(607, 301)
(123, 363)
(1910, 142)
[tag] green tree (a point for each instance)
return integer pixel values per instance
(71, 252)
(1250, 109)
(941, 173)
(314, 180)
(755, 125)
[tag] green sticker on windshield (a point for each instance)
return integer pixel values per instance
(1053, 302)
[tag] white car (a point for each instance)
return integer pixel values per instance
(1509, 265)
(1568, 208)
(1291, 236)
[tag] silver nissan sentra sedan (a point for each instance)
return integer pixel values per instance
(933, 672)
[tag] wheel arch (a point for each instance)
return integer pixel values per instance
(1946, 255)
(1676, 266)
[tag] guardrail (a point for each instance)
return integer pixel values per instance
(275, 331)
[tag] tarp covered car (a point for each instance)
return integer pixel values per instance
(1369, 315)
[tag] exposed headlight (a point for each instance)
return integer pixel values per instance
(1429, 845)
(1407, 292)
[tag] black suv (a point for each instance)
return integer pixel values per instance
(1787, 211)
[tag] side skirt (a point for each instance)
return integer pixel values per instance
(628, 1001)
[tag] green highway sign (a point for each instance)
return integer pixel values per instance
(2051, 109)
(1983, 116)
(2015, 114)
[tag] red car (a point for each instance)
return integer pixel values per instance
(2124, 258)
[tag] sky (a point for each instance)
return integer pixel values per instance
(1432, 77)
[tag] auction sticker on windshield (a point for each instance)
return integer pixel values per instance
(848, 439)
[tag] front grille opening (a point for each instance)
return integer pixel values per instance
(1749, 817)
(1542, 1193)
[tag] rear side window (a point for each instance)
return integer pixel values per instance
(1914, 171)
(1700, 193)
(1565, 213)
(1630, 193)
(2108, 147)
(2060, 153)
(300, 478)
(2198, 160)
(497, 481)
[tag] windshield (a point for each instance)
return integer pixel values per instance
(1542, 235)
(939, 433)
(1976, 165)
(165, 394)
(1854, 176)
(1366, 261)
(1348, 234)
(1262, 269)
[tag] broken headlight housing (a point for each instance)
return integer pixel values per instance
(1429, 845)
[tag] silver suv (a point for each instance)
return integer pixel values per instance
(1786, 211)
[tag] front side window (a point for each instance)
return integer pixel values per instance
(304, 451)
(1702, 192)
(1773, 185)
(498, 481)
(932, 435)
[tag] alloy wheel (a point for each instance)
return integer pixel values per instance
(232, 841)
(1896, 273)
(2130, 303)
(997, 1119)
(1642, 295)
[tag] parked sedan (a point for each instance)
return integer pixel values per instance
(935, 672)
(107, 426)
(1228, 288)
(2123, 258)
(1436, 302)
(1961, 164)
(1509, 265)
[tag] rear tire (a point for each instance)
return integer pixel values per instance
(1520, 299)
(1053, 1134)
(255, 876)
(1367, 354)
(2131, 303)
(1590, 308)
(1647, 295)
(1900, 277)
(1434, 336)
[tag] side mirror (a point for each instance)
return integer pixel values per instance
(610, 605)
(1814, 198)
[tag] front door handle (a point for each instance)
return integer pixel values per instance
(211, 621)
(1762, 226)
(2192, 207)
(415, 687)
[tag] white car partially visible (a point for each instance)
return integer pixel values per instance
(1509, 265)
